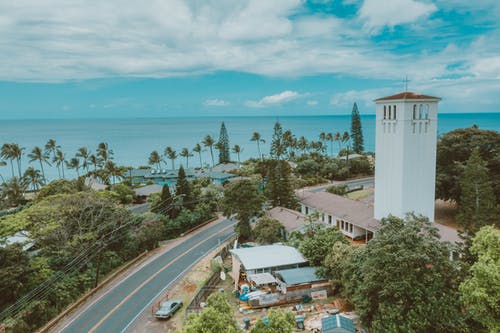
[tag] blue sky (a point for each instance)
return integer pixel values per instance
(67, 59)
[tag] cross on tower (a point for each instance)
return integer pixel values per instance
(406, 83)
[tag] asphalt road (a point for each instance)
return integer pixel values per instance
(350, 183)
(116, 310)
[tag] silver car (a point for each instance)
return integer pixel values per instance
(168, 308)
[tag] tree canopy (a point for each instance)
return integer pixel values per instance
(243, 199)
(405, 281)
(318, 244)
(454, 149)
(268, 231)
(279, 321)
(215, 318)
(223, 145)
(481, 290)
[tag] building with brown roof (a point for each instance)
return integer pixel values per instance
(291, 219)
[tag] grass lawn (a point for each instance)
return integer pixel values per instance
(356, 195)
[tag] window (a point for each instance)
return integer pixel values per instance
(394, 112)
(385, 112)
(414, 111)
(421, 111)
(307, 210)
(390, 116)
(342, 224)
(338, 224)
(427, 111)
(329, 219)
(350, 228)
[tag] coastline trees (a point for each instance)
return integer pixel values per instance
(6, 154)
(277, 146)
(37, 154)
(209, 142)
(257, 138)
(32, 177)
(356, 130)
(223, 145)
(171, 155)
(104, 153)
(74, 163)
(154, 159)
(237, 151)
(83, 154)
(186, 154)
(197, 149)
(59, 160)
(279, 189)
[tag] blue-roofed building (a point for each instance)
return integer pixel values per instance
(302, 281)
(337, 324)
(169, 177)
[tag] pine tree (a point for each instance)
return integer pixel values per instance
(164, 205)
(277, 146)
(356, 130)
(477, 203)
(183, 188)
(279, 187)
(223, 145)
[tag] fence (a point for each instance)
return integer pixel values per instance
(209, 286)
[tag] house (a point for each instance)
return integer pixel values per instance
(169, 177)
(337, 324)
(301, 281)
(353, 218)
(291, 219)
(264, 259)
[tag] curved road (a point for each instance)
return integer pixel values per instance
(117, 309)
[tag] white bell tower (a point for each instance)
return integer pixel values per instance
(405, 155)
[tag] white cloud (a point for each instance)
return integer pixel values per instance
(345, 100)
(312, 103)
(216, 102)
(390, 13)
(273, 100)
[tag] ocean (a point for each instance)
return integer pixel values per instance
(132, 140)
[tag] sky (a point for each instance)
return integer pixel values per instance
(164, 58)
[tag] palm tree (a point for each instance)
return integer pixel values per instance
(6, 154)
(59, 160)
(34, 178)
(185, 153)
(257, 138)
(329, 137)
(113, 170)
(154, 159)
(37, 154)
(171, 155)
(345, 139)
(2, 164)
(302, 144)
(104, 153)
(50, 148)
(94, 160)
(74, 163)
(237, 150)
(209, 142)
(13, 191)
(83, 153)
(337, 137)
(197, 149)
(17, 154)
(288, 141)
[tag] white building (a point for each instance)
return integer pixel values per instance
(405, 155)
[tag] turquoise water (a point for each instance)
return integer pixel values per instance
(132, 140)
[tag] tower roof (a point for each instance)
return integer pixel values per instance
(407, 95)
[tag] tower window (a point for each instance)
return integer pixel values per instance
(394, 111)
(427, 111)
(385, 112)
(390, 117)
(414, 111)
(420, 111)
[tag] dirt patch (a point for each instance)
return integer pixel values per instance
(446, 213)
(190, 288)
